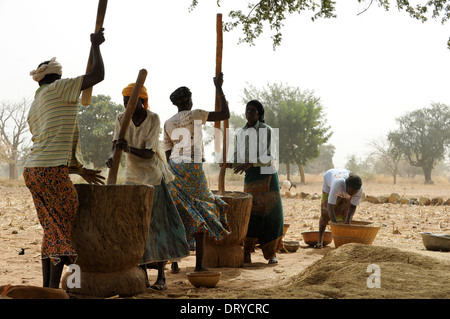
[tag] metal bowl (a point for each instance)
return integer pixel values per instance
(436, 242)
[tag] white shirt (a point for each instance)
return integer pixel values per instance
(334, 185)
(143, 170)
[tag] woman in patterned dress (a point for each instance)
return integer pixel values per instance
(56, 154)
(261, 180)
(202, 212)
(145, 164)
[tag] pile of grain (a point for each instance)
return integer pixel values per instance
(343, 273)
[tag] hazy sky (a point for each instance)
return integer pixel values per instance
(367, 69)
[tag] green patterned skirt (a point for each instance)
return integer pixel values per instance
(167, 236)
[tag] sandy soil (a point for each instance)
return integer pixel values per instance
(408, 270)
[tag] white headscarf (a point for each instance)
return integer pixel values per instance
(53, 67)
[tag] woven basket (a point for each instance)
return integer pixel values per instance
(356, 232)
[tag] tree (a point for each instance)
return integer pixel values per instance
(390, 156)
(13, 129)
(423, 137)
(322, 163)
(300, 118)
(357, 165)
(97, 123)
(237, 121)
(275, 12)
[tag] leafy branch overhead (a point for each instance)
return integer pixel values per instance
(275, 12)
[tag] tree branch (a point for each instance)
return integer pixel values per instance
(367, 8)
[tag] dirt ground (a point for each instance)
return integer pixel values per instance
(408, 270)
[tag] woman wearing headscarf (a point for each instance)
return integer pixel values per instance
(202, 212)
(145, 164)
(261, 180)
(56, 154)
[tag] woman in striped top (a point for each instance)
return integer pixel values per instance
(52, 120)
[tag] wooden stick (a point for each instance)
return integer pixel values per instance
(131, 106)
(219, 50)
(101, 10)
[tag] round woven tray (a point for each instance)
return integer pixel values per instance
(356, 232)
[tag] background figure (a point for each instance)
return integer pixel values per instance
(341, 193)
(56, 154)
(266, 220)
(202, 212)
(145, 164)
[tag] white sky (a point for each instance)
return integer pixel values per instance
(367, 69)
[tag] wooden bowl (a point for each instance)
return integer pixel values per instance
(311, 237)
(356, 232)
(436, 242)
(207, 279)
(291, 245)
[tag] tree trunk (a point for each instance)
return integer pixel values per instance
(394, 174)
(288, 172)
(302, 174)
(427, 172)
(229, 252)
(13, 170)
(13, 164)
(109, 234)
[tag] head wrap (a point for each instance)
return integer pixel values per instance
(52, 67)
(259, 107)
(180, 95)
(142, 94)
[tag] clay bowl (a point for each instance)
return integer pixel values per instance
(207, 279)
(291, 245)
(356, 232)
(312, 237)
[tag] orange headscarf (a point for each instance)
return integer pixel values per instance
(143, 94)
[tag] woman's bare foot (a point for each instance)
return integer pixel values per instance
(159, 285)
